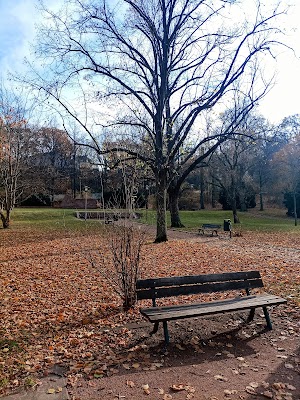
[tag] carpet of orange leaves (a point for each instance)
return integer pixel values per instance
(56, 309)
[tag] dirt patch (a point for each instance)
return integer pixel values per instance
(212, 358)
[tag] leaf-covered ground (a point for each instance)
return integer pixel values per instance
(60, 315)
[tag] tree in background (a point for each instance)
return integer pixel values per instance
(53, 160)
(15, 141)
(233, 163)
(287, 161)
(156, 67)
(260, 154)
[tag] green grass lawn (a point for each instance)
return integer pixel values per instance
(55, 219)
(51, 220)
(253, 220)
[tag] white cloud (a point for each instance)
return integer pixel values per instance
(18, 19)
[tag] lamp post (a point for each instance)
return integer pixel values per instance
(85, 201)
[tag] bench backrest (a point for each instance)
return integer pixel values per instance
(185, 285)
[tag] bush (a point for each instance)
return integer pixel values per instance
(248, 201)
(125, 243)
(189, 200)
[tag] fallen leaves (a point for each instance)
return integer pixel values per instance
(178, 388)
(54, 391)
(146, 389)
(166, 394)
(220, 378)
(57, 310)
(228, 392)
(289, 366)
(182, 387)
(267, 394)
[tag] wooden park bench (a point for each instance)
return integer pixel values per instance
(109, 219)
(212, 227)
(186, 285)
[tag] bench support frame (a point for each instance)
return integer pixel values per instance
(268, 319)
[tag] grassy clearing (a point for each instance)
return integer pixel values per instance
(28, 224)
(51, 217)
(63, 221)
(272, 220)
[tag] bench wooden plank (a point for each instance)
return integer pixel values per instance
(212, 227)
(195, 284)
(190, 279)
(197, 289)
(159, 314)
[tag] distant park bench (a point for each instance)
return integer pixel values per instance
(111, 218)
(211, 227)
(185, 285)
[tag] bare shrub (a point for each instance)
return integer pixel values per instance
(124, 241)
(119, 261)
(126, 244)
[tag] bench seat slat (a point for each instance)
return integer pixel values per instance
(190, 279)
(196, 289)
(158, 314)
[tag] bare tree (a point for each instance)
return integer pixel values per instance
(15, 141)
(287, 163)
(156, 66)
(234, 162)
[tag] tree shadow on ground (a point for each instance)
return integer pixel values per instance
(195, 341)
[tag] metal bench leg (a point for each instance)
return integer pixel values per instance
(268, 319)
(155, 328)
(166, 332)
(251, 314)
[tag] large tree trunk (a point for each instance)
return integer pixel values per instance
(236, 219)
(202, 205)
(174, 209)
(295, 208)
(5, 219)
(213, 193)
(161, 204)
(234, 211)
(233, 201)
(261, 200)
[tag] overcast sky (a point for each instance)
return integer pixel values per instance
(17, 31)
